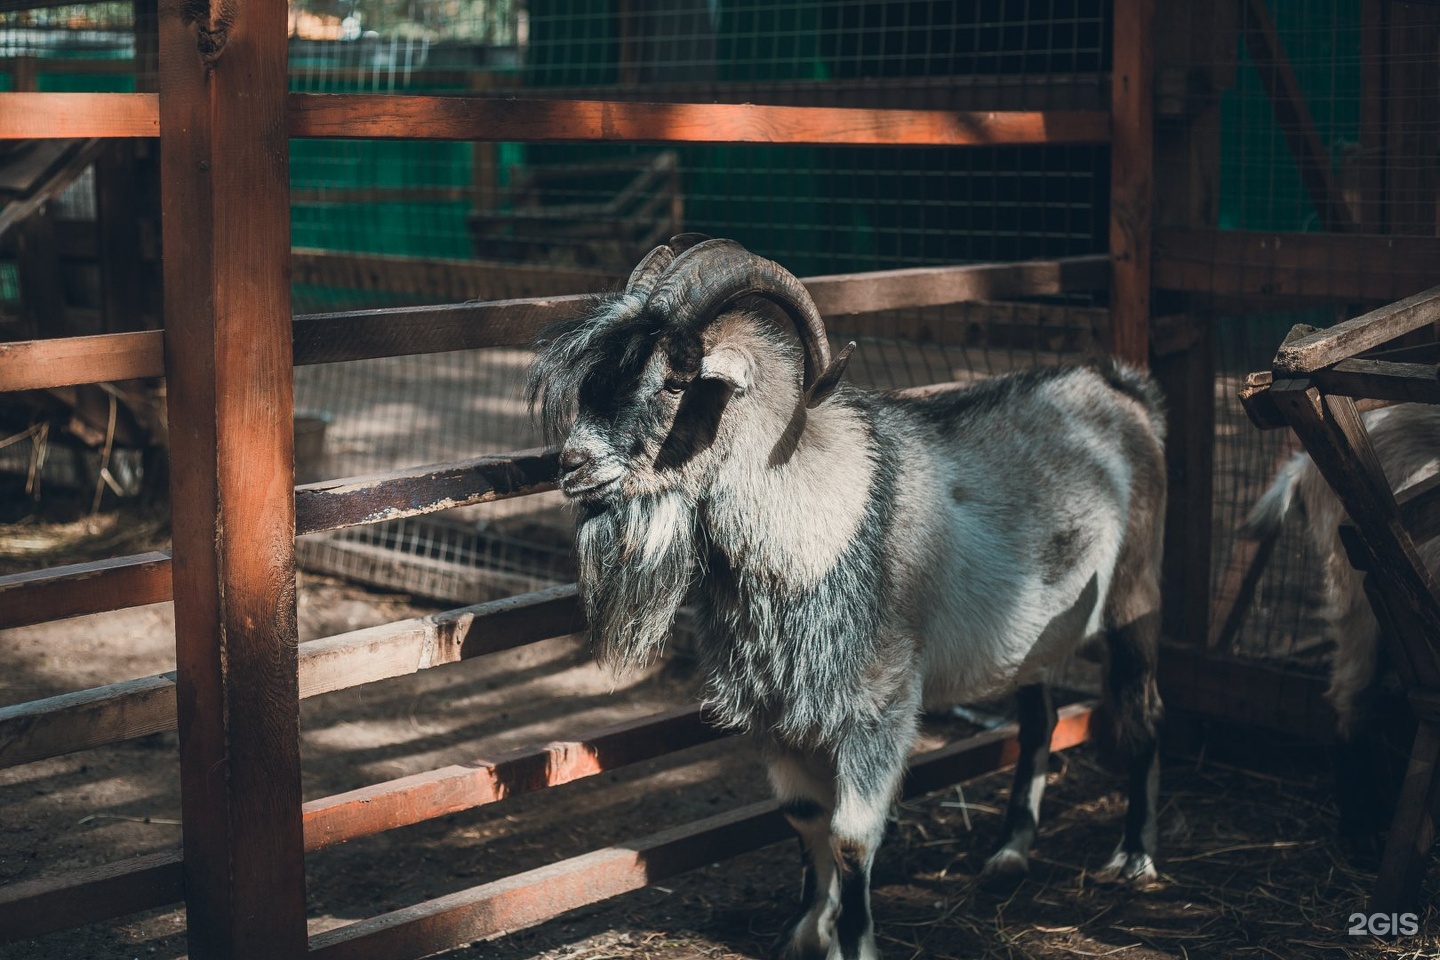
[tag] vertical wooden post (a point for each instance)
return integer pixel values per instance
(225, 203)
(1132, 131)
(1195, 47)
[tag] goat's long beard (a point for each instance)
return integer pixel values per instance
(636, 563)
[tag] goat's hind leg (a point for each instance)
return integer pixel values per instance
(1011, 860)
(1126, 728)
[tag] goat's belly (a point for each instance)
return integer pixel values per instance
(986, 650)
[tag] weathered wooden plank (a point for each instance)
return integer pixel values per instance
(83, 588)
(1381, 380)
(1419, 506)
(88, 718)
(525, 899)
(1295, 266)
(60, 362)
(1344, 341)
(226, 229)
(63, 116)
(332, 504)
(1132, 178)
(839, 294)
(122, 711)
(589, 121)
(362, 334)
(36, 907)
(437, 279)
(436, 793)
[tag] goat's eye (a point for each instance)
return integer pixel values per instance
(675, 387)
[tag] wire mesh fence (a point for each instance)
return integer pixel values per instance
(1324, 114)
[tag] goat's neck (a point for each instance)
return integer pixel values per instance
(786, 505)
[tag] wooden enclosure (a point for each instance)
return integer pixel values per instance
(223, 118)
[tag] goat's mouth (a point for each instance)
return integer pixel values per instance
(588, 488)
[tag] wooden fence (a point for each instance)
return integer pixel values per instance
(224, 118)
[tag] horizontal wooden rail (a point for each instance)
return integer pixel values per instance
(406, 331)
(447, 790)
(113, 584)
(332, 504)
(36, 907)
(122, 711)
(364, 116)
(526, 899)
(1295, 266)
(82, 588)
(60, 362)
(390, 117)
(1380, 380)
(66, 116)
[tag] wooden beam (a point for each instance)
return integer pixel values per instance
(1381, 380)
(455, 280)
(63, 116)
(332, 504)
(1292, 116)
(1419, 506)
(529, 898)
(39, 364)
(1295, 266)
(1132, 178)
(362, 334)
(404, 331)
(44, 905)
(1344, 341)
(436, 793)
(378, 116)
(122, 711)
(83, 588)
(229, 373)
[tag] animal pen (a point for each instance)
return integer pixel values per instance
(1040, 181)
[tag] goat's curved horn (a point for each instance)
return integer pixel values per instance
(651, 267)
(708, 277)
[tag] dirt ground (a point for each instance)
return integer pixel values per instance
(1250, 865)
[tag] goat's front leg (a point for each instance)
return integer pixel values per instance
(1011, 860)
(805, 788)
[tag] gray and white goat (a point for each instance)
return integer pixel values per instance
(1406, 438)
(856, 556)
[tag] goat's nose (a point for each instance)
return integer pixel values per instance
(573, 458)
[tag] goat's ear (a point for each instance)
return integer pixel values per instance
(729, 365)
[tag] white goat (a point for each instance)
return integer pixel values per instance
(857, 556)
(1406, 438)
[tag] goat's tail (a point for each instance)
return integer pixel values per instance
(1277, 501)
(1137, 385)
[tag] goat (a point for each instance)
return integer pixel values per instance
(855, 556)
(1406, 438)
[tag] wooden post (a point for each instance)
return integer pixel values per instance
(225, 203)
(1132, 131)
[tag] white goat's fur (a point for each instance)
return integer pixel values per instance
(860, 559)
(1406, 438)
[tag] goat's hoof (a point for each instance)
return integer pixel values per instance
(1135, 869)
(1006, 868)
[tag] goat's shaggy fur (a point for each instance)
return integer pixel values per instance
(860, 558)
